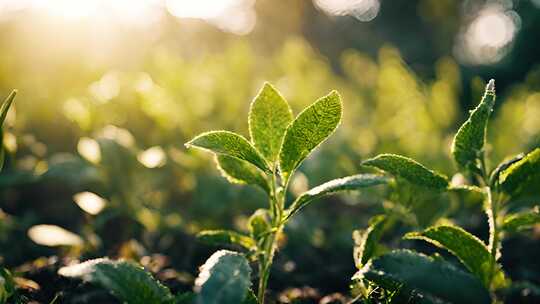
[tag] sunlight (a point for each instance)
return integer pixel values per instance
(89, 149)
(235, 16)
(201, 9)
(89, 202)
(488, 36)
(152, 158)
(52, 235)
(363, 10)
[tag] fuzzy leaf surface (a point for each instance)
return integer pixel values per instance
(3, 113)
(354, 182)
(269, 116)
(223, 279)
(409, 169)
(470, 250)
(231, 144)
(240, 172)
(128, 282)
(522, 174)
(521, 221)
(5, 106)
(365, 241)
(433, 278)
(314, 125)
(226, 237)
(468, 144)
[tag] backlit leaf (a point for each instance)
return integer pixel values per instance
(433, 278)
(354, 182)
(223, 279)
(468, 144)
(523, 220)
(6, 105)
(494, 176)
(3, 113)
(522, 174)
(365, 241)
(409, 169)
(470, 250)
(310, 128)
(128, 282)
(240, 172)
(226, 237)
(269, 116)
(231, 144)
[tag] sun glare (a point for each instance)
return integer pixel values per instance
(487, 38)
(236, 16)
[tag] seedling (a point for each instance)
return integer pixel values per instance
(404, 274)
(278, 145)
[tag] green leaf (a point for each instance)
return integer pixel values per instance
(226, 237)
(5, 106)
(521, 221)
(468, 144)
(184, 298)
(224, 279)
(470, 250)
(314, 125)
(409, 169)
(251, 298)
(231, 144)
(494, 176)
(522, 174)
(365, 241)
(240, 172)
(269, 116)
(432, 278)
(7, 285)
(354, 182)
(3, 113)
(128, 282)
(259, 223)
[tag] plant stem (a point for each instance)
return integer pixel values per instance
(494, 236)
(270, 243)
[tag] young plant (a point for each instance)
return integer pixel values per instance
(278, 144)
(406, 274)
(7, 285)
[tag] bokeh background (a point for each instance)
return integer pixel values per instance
(109, 91)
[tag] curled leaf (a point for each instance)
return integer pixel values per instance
(365, 241)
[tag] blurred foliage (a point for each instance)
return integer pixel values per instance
(161, 91)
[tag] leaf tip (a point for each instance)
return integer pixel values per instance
(490, 87)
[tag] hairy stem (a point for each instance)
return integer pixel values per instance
(494, 235)
(270, 243)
